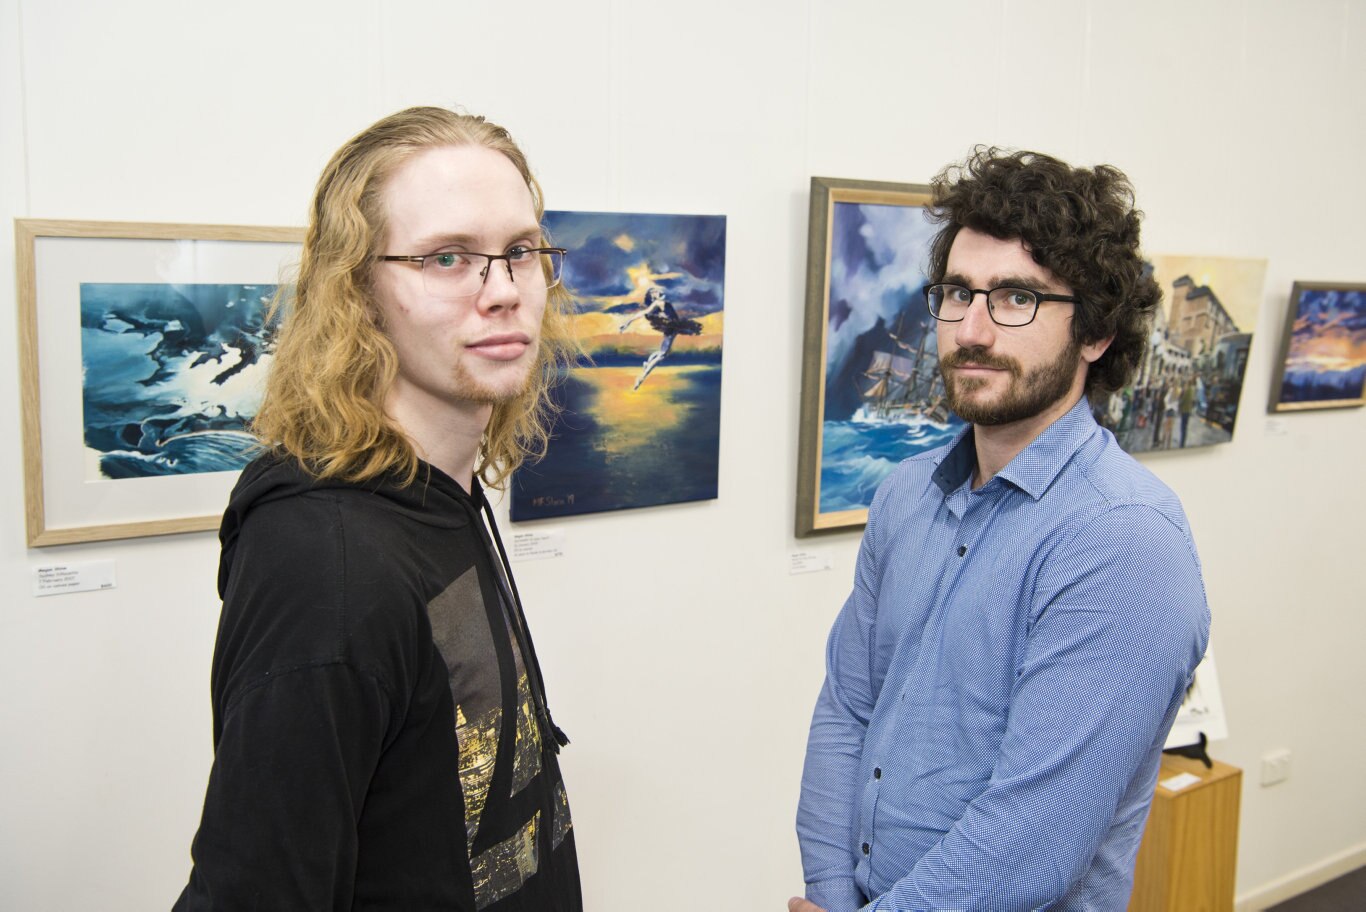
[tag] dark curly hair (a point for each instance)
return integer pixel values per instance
(1080, 224)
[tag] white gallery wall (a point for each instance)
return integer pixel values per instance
(680, 655)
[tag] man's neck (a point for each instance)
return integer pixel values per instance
(445, 436)
(453, 452)
(997, 445)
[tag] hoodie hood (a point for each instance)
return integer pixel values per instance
(274, 477)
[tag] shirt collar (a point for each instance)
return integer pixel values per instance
(1033, 468)
(955, 467)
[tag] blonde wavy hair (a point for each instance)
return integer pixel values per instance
(334, 366)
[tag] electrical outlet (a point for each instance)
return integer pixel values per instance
(1275, 767)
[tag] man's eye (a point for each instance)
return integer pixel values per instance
(449, 260)
(959, 295)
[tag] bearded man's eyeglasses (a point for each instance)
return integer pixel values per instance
(454, 274)
(1007, 306)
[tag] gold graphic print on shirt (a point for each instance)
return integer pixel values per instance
(478, 739)
(461, 632)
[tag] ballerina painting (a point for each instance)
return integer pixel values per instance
(639, 417)
(662, 317)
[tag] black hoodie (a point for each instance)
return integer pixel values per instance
(380, 733)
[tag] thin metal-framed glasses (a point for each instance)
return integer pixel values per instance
(1007, 305)
(454, 274)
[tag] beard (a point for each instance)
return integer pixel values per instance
(1027, 395)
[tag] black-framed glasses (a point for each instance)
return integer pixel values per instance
(454, 274)
(1007, 305)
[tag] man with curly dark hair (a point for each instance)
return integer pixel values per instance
(1028, 607)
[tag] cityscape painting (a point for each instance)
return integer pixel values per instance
(1190, 382)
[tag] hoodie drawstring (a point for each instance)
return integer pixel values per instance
(558, 737)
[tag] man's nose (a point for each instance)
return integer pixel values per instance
(976, 328)
(499, 290)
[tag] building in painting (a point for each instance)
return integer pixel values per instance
(1197, 318)
(1164, 358)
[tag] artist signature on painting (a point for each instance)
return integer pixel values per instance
(551, 500)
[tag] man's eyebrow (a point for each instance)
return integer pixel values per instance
(468, 241)
(1032, 283)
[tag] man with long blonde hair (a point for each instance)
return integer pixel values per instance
(381, 734)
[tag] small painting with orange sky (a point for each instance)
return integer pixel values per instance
(639, 421)
(1324, 362)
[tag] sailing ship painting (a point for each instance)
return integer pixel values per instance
(883, 394)
(905, 388)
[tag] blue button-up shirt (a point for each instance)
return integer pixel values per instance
(1000, 682)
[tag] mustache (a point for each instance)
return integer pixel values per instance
(981, 357)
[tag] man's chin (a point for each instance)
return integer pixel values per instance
(994, 411)
(495, 391)
(971, 396)
(975, 410)
(495, 396)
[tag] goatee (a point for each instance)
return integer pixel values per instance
(492, 391)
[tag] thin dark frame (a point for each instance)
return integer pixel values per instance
(1039, 298)
(1274, 403)
(421, 260)
(825, 193)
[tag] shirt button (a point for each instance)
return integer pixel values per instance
(962, 549)
(865, 848)
(877, 772)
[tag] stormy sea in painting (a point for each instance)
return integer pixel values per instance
(883, 397)
(618, 448)
(859, 455)
(171, 374)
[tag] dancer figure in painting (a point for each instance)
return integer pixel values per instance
(663, 318)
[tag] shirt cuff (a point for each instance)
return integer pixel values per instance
(838, 894)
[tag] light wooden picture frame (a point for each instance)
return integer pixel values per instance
(141, 350)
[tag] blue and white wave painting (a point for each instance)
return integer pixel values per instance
(172, 375)
(878, 255)
(859, 455)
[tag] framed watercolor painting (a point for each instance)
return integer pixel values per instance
(640, 421)
(142, 349)
(1322, 363)
(871, 390)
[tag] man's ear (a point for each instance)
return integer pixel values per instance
(1092, 351)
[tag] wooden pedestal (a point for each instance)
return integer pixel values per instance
(1190, 847)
